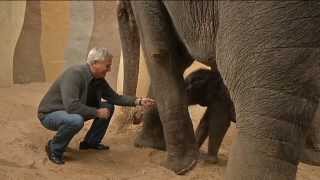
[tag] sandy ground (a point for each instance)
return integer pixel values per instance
(22, 155)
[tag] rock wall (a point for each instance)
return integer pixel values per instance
(81, 26)
(55, 17)
(12, 15)
(42, 38)
(27, 61)
(105, 34)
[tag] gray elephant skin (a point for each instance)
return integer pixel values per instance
(269, 58)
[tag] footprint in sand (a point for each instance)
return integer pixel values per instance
(4, 162)
(156, 156)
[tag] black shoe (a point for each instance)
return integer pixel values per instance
(85, 145)
(52, 157)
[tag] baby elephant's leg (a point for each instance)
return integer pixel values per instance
(219, 122)
(202, 130)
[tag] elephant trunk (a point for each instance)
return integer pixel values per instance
(130, 45)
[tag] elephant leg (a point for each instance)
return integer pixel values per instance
(219, 122)
(165, 61)
(151, 134)
(269, 61)
(182, 151)
(314, 135)
(311, 152)
(202, 130)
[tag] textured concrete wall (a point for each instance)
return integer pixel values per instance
(42, 38)
(81, 26)
(55, 16)
(105, 34)
(11, 21)
(27, 63)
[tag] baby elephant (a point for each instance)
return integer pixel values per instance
(206, 88)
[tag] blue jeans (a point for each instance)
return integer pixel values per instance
(67, 125)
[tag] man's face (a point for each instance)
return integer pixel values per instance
(100, 68)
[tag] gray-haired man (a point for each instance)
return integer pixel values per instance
(76, 97)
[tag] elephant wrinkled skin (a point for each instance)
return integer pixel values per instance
(269, 58)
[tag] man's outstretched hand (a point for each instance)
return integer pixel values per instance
(145, 102)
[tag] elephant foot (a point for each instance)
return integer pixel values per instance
(150, 142)
(209, 158)
(151, 135)
(311, 156)
(181, 165)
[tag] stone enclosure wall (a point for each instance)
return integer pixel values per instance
(42, 38)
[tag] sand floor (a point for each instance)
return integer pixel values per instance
(22, 155)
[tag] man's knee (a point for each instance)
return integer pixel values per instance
(75, 121)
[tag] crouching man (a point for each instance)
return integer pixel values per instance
(75, 97)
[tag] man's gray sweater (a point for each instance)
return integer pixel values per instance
(70, 91)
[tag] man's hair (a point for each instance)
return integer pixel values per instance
(98, 54)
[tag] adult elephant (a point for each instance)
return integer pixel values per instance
(268, 55)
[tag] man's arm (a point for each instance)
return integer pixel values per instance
(114, 98)
(70, 89)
